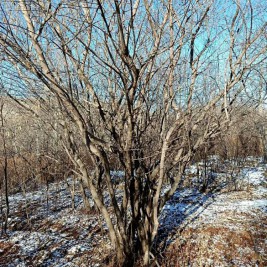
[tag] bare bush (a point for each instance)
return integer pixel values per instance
(125, 87)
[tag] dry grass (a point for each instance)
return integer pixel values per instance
(8, 251)
(217, 246)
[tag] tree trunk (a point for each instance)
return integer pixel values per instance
(145, 250)
(5, 167)
(264, 139)
(6, 195)
(86, 202)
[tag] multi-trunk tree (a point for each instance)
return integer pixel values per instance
(138, 86)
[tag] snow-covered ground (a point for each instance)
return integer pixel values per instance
(213, 228)
(225, 228)
(44, 230)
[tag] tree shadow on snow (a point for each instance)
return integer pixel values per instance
(182, 210)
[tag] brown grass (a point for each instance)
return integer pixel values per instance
(215, 246)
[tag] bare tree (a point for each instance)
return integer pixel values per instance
(4, 165)
(139, 85)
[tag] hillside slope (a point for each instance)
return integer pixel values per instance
(218, 227)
